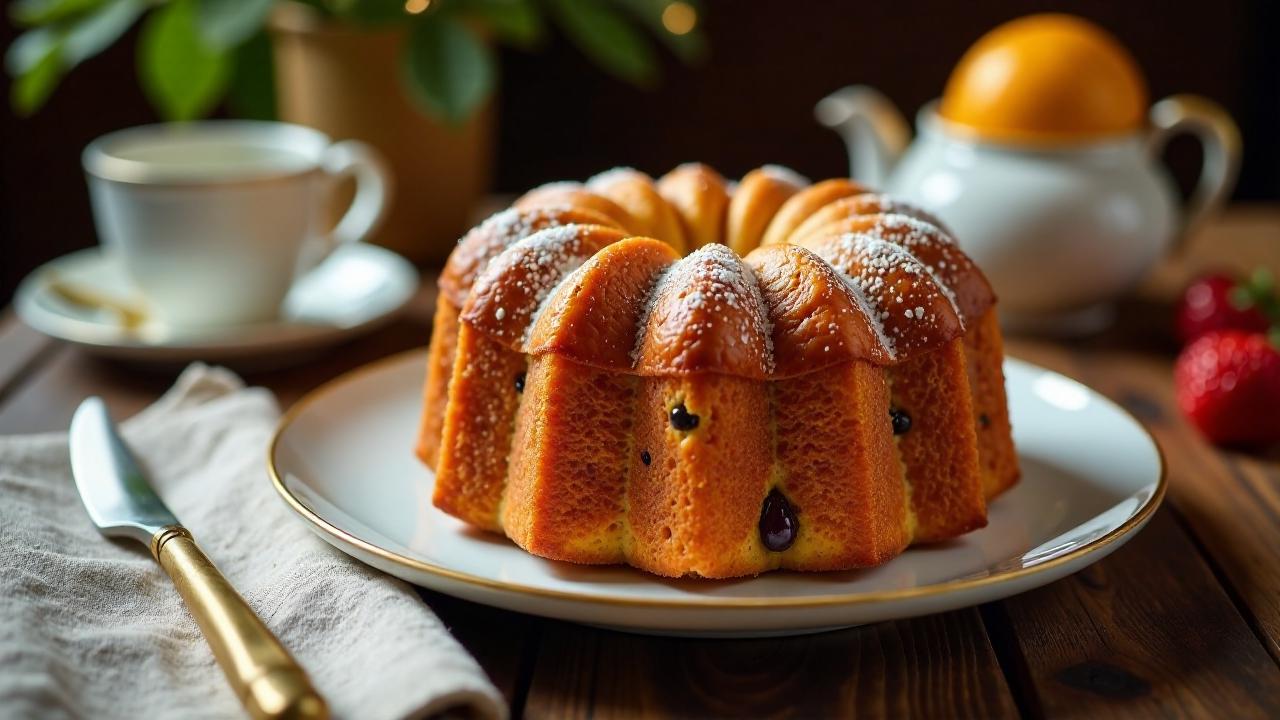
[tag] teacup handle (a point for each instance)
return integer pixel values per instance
(352, 158)
(1217, 133)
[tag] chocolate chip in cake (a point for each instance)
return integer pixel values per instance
(520, 382)
(984, 421)
(682, 419)
(645, 457)
(901, 421)
(778, 524)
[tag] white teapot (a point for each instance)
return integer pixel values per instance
(1064, 207)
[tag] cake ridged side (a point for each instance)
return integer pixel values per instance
(435, 390)
(984, 354)
(939, 454)
(479, 421)
(724, 463)
(571, 483)
(831, 424)
(565, 498)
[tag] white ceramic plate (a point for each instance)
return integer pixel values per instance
(355, 289)
(1092, 477)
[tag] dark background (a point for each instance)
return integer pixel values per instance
(750, 102)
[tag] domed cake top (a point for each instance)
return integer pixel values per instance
(1045, 79)
(485, 241)
(853, 276)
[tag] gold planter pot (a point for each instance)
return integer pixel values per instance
(346, 82)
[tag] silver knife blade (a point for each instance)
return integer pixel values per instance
(113, 488)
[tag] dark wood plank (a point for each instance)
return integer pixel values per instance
(938, 666)
(1229, 501)
(46, 399)
(1148, 632)
(21, 350)
(504, 643)
(1239, 240)
(1158, 633)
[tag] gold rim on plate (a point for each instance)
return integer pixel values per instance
(1140, 517)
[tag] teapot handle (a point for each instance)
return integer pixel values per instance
(1217, 133)
(873, 130)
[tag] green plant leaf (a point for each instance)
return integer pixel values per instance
(43, 12)
(253, 88)
(180, 75)
(606, 37)
(369, 12)
(449, 70)
(39, 58)
(41, 68)
(227, 23)
(513, 21)
(30, 48)
(96, 31)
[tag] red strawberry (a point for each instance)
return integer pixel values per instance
(1221, 302)
(1228, 385)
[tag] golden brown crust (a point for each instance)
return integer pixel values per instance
(707, 317)
(934, 248)
(497, 233)
(832, 424)
(724, 463)
(940, 451)
(471, 472)
(805, 203)
(699, 196)
(576, 195)
(636, 193)
(754, 203)
(510, 291)
(854, 205)
(817, 319)
(915, 313)
(568, 481)
(572, 345)
(984, 354)
(591, 320)
(435, 391)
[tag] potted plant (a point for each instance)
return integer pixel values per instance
(415, 78)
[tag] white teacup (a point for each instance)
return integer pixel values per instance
(214, 221)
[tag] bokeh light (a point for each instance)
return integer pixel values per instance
(679, 18)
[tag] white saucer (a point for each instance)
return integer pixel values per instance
(1092, 476)
(358, 287)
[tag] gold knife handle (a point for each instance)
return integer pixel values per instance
(268, 681)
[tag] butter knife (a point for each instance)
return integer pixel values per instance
(268, 681)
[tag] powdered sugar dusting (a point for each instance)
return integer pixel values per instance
(612, 176)
(706, 312)
(487, 240)
(657, 290)
(886, 276)
(556, 186)
(515, 286)
(931, 246)
(782, 173)
(890, 205)
(707, 309)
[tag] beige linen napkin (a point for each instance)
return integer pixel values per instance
(93, 628)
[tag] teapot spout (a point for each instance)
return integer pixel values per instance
(873, 130)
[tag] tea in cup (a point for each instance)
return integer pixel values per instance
(214, 221)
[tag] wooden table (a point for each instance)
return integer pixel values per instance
(1184, 621)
